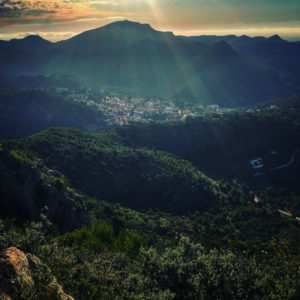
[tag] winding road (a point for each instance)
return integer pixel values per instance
(292, 160)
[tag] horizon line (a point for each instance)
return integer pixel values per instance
(23, 35)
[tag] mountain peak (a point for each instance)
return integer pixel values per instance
(128, 24)
(31, 38)
(245, 37)
(276, 37)
(30, 41)
(119, 33)
(35, 37)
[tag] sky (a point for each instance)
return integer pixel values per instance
(60, 19)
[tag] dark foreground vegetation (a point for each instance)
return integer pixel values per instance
(182, 270)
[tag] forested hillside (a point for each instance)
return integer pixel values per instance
(160, 228)
(100, 166)
(153, 254)
(25, 111)
(222, 145)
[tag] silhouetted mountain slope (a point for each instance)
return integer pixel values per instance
(136, 57)
(284, 60)
(24, 56)
(253, 47)
(220, 75)
(25, 112)
(274, 58)
(15, 61)
(30, 43)
(129, 55)
(273, 53)
(245, 45)
(209, 39)
(113, 37)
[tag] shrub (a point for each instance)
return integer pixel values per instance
(22, 158)
(102, 237)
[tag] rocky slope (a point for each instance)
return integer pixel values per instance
(31, 191)
(24, 276)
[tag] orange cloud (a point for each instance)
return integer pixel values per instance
(15, 11)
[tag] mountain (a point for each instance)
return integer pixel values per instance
(283, 60)
(135, 56)
(253, 47)
(127, 55)
(24, 56)
(245, 45)
(26, 111)
(132, 56)
(158, 207)
(29, 190)
(182, 160)
(222, 146)
(113, 37)
(221, 75)
(98, 165)
(273, 53)
(121, 206)
(30, 43)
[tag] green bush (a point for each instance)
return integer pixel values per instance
(22, 158)
(102, 237)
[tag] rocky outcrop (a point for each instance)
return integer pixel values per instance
(31, 191)
(24, 276)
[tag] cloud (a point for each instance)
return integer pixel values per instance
(16, 8)
(22, 11)
(14, 12)
(51, 36)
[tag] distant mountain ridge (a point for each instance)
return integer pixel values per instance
(135, 56)
(118, 32)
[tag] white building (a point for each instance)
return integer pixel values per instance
(257, 163)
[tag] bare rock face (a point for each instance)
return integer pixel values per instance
(24, 276)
